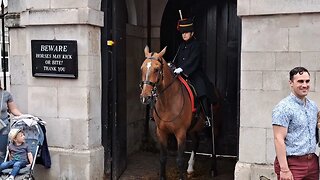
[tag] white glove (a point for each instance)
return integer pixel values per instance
(178, 71)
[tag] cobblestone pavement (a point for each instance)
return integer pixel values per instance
(145, 166)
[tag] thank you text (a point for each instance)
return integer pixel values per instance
(54, 58)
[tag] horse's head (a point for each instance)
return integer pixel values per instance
(151, 75)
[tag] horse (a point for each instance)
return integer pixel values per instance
(172, 110)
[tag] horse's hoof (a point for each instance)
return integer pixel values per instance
(190, 175)
(213, 173)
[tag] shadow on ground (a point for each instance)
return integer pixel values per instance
(145, 166)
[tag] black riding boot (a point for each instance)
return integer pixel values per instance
(206, 109)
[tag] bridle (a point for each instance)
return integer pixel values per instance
(154, 85)
(154, 92)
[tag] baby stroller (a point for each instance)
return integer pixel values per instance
(34, 137)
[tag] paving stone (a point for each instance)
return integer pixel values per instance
(145, 166)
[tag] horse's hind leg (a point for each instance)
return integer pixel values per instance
(195, 145)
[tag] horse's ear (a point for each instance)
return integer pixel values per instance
(163, 51)
(146, 50)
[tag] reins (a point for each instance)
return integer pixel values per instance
(173, 79)
(183, 100)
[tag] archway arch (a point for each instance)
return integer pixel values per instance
(218, 28)
(132, 12)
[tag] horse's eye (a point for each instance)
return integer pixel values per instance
(156, 70)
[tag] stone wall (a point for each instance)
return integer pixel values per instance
(272, 45)
(71, 107)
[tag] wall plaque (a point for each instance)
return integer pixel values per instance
(54, 58)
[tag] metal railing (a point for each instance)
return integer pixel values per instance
(4, 63)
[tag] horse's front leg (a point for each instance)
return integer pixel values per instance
(181, 140)
(163, 154)
(163, 161)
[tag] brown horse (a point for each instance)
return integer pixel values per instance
(172, 109)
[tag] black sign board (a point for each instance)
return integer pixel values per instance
(53, 58)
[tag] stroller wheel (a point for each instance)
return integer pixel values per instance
(29, 178)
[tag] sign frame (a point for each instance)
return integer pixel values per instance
(54, 58)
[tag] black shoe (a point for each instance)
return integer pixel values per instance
(208, 122)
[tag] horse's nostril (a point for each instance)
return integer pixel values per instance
(141, 99)
(145, 99)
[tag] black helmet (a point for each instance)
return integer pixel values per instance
(185, 25)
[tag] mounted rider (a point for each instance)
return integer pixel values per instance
(188, 61)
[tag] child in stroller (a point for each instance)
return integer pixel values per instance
(25, 131)
(19, 153)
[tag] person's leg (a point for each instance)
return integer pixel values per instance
(206, 109)
(6, 165)
(298, 167)
(17, 166)
(3, 142)
(313, 168)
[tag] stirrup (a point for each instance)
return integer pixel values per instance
(208, 122)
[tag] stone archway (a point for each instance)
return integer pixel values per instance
(217, 28)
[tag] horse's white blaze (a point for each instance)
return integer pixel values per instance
(148, 71)
(148, 65)
(191, 163)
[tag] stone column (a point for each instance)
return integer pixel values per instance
(71, 107)
(277, 35)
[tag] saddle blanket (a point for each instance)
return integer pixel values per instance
(184, 82)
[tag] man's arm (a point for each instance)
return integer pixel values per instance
(280, 134)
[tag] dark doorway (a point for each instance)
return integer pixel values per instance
(218, 29)
(113, 67)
